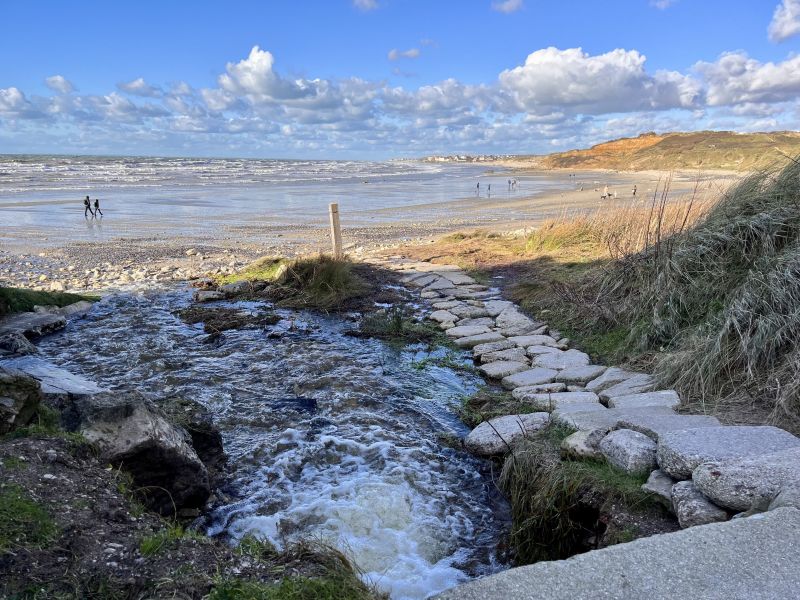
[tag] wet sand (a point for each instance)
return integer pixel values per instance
(36, 259)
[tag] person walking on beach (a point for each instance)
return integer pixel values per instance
(87, 207)
(489, 191)
(634, 191)
(97, 207)
(478, 188)
(605, 193)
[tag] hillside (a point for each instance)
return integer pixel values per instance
(725, 150)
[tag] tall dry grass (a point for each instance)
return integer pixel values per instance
(709, 288)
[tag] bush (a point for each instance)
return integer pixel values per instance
(14, 300)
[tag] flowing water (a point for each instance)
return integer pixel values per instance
(328, 436)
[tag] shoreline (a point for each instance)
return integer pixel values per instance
(38, 262)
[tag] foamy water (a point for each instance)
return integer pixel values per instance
(328, 436)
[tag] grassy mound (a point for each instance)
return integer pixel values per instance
(13, 300)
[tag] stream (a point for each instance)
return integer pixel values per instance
(329, 436)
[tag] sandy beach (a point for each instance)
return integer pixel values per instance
(108, 256)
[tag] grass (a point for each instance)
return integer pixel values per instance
(397, 324)
(321, 283)
(334, 577)
(489, 402)
(556, 505)
(264, 269)
(46, 424)
(15, 300)
(23, 522)
(158, 542)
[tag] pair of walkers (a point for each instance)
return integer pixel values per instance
(87, 207)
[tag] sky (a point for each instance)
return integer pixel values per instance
(377, 79)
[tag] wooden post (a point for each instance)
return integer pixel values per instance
(336, 231)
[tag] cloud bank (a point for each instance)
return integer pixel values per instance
(556, 98)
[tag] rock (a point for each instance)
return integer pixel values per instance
(438, 285)
(79, 309)
(430, 295)
(562, 360)
(498, 435)
(692, 507)
(600, 419)
(206, 438)
(475, 340)
(753, 558)
(575, 446)
(468, 312)
(552, 401)
(442, 316)
(20, 396)
(447, 305)
(457, 277)
(502, 368)
(208, 296)
(515, 354)
(495, 307)
(514, 321)
(610, 377)
(31, 324)
(131, 433)
(536, 349)
(467, 331)
(478, 322)
(14, 343)
(523, 341)
(541, 388)
(236, 288)
(579, 374)
(634, 385)
(630, 451)
(665, 398)
(57, 286)
(660, 484)
(191, 252)
(423, 281)
(739, 484)
(529, 377)
(655, 424)
(787, 497)
(54, 381)
(680, 452)
(482, 349)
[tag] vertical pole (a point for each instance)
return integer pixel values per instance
(336, 231)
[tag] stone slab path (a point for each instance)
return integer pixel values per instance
(536, 363)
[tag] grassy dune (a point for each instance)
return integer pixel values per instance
(705, 293)
(724, 150)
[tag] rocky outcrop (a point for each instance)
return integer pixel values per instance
(206, 440)
(131, 433)
(692, 507)
(14, 343)
(20, 396)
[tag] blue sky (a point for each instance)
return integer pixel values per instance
(383, 78)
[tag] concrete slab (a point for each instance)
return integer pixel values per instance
(529, 377)
(753, 558)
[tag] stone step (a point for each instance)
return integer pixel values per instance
(498, 435)
(744, 558)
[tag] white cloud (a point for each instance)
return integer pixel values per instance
(662, 4)
(507, 6)
(58, 83)
(785, 21)
(735, 78)
(365, 4)
(553, 79)
(395, 54)
(139, 87)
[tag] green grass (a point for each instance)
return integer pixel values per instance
(158, 542)
(263, 269)
(396, 324)
(23, 522)
(294, 588)
(14, 300)
(555, 504)
(321, 283)
(45, 424)
(489, 402)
